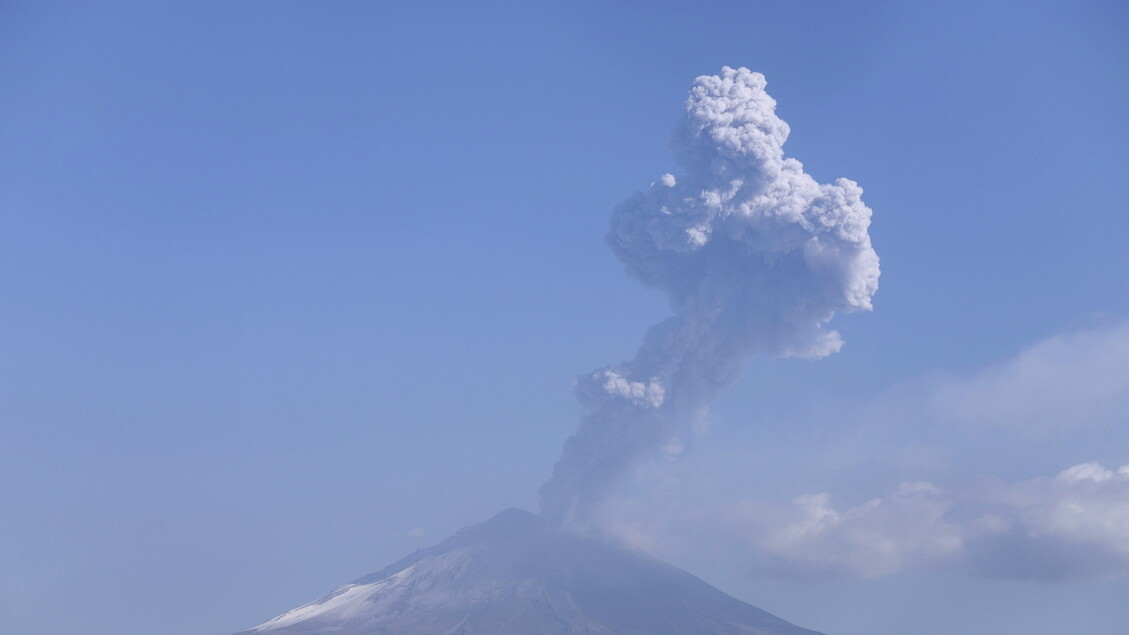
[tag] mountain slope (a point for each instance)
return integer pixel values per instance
(514, 574)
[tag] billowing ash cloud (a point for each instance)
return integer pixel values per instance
(755, 257)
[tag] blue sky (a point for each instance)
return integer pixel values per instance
(288, 291)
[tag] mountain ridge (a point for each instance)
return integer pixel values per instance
(517, 574)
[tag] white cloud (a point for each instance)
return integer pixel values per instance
(1073, 379)
(812, 540)
(1073, 525)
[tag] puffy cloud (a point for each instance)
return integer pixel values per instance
(870, 540)
(811, 540)
(755, 257)
(1073, 525)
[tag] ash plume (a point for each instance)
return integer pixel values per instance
(755, 257)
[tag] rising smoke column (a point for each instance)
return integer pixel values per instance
(755, 257)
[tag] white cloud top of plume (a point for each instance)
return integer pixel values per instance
(755, 257)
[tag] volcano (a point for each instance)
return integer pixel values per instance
(517, 574)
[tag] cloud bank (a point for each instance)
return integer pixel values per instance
(755, 257)
(1072, 525)
(1045, 401)
(1075, 525)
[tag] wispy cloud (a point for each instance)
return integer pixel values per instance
(1078, 378)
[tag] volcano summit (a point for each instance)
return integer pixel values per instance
(516, 574)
